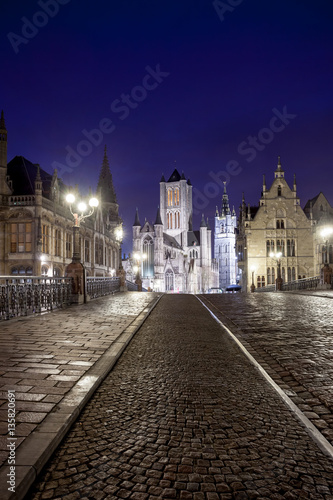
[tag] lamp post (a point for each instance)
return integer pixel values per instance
(326, 270)
(278, 281)
(252, 288)
(121, 273)
(75, 269)
(138, 259)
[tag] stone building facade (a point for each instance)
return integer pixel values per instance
(171, 256)
(278, 224)
(225, 242)
(36, 225)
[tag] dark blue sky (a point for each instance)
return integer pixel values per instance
(223, 81)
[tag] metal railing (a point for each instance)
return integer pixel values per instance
(23, 295)
(99, 286)
(131, 287)
(301, 284)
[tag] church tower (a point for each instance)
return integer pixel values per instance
(107, 192)
(224, 242)
(176, 206)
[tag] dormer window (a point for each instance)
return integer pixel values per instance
(279, 191)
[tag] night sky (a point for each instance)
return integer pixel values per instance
(217, 90)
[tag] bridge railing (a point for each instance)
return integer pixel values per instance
(301, 284)
(23, 295)
(100, 286)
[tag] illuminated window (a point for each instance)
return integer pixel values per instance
(177, 197)
(45, 238)
(57, 243)
(20, 238)
(169, 197)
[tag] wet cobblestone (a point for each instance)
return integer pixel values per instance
(185, 415)
(291, 336)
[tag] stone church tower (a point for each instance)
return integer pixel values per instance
(168, 255)
(224, 242)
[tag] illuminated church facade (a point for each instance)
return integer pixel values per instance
(168, 255)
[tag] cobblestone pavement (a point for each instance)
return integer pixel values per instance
(43, 357)
(184, 414)
(291, 336)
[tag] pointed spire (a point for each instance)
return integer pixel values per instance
(183, 177)
(162, 178)
(2, 121)
(105, 182)
(217, 212)
(208, 226)
(158, 220)
(233, 210)
(137, 220)
(203, 222)
(279, 172)
(38, 177)
(225, 209)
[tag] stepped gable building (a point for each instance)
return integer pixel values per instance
(172, 256)
(36, 226)
(278, 224)
(225, 241)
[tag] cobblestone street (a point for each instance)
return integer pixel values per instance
(185, 415)
(291, 336)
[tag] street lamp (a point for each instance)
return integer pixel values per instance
(138, 259)
(326, 270)
(253, 268)
(75, 269)
(79, 214)
(277, 256)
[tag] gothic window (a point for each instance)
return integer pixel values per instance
(169, 197)
(268, 247)
(289, 273)
(273, 275)
(282, 224)
(279, 191)
(56, 272)
(148, 262)
(283, 248)
(20, 238)
(283, 274)
(177, 197)
(277, 224)
(45, 270)
(290, 248)
(268, 276)
(86, 251)
(169, 286)
(57, 242)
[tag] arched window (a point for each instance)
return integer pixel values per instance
(56, 272)
(45, 270)
(148, 262)
(268, 276)
(279, 191)
(169, 197)
(283, 274)
(282, 224)
(169, 285)
(277, 224)
(177, 197)
(14, 271)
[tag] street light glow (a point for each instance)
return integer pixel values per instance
(326, 231)
(93, 202)
(70, 198)
(82, 206)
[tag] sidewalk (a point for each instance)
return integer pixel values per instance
(52, 364)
